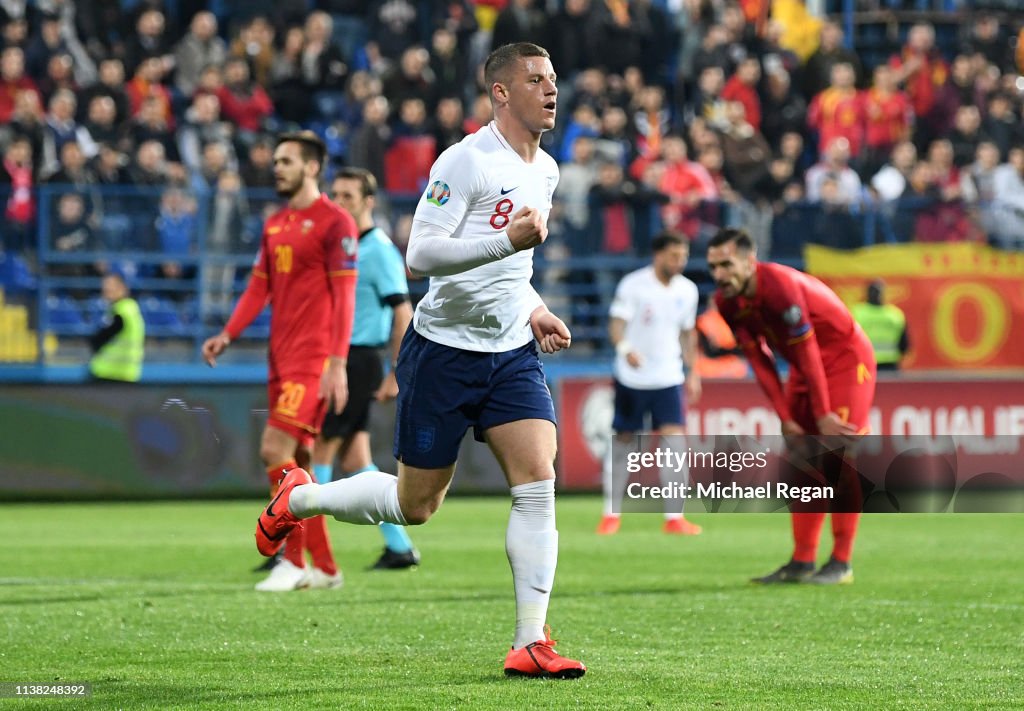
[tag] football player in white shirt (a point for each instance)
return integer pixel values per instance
(653, 328)
(470, 359)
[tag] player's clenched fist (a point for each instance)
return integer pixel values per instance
(527, 229)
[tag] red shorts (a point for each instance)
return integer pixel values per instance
(851, 390)
(295, 405)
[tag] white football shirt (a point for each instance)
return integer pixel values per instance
(655, 314)
(475, 188)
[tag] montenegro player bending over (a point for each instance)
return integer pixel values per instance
(831, 382)
(470, 359)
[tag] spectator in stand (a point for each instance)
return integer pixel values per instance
(394, 26)
(448, 123)
(584, 122)
(176, 229)
(745, 151)
(742, 87)
(147, 83)
(987, 39)
(150, 124)
(921, 70)
(888, 119)
(576, 179)
(258, 170)
(838, 112)
(150, 167)
(480, 114)
(613, 142)
(110, 84)
(20, 211)
(50, 42)
(361, 86)
(963, 82)
(891, 180)
(783, 107)
(59, 75)
(818, 70)
(13, 81)
(62, 128)
(101, 120)
(255, 44)
(412, 120)
(686, 184)
(242, 101)
(412, 78)
(1002, 123)
(624, 26)
(521, 21)
(791, 147)
(202, 125)
(954, 184)
(73, 231)
(570, 45)
(651, 120)
(198, 48)
(14, 33)
(287, 91)
(459, 18)
(370, 141)
(111, 166)
(1008, 203)
(707, 102)
(983, 175)
(149, 41)
(966, 135)
(323, 64)
(28, 122)
(713, 51)
(447, 64)
(835, 166)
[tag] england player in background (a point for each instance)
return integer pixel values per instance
(470, 359)
(652, 326)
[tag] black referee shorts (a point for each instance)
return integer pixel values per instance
(365, 374)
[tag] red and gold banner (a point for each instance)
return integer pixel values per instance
(964, 302)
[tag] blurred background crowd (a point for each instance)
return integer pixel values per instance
(145, 127)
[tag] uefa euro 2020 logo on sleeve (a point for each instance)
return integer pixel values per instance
(438, 193)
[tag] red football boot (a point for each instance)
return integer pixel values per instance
(277, 521)
(540, 659)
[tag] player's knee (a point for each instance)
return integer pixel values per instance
(418, 514)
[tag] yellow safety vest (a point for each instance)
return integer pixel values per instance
(121, 357)
(884, 325)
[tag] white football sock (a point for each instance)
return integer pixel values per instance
(669, 475)
(614, 476)
(366, 498)
(531, 543)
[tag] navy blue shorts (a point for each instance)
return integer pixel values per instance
(632, 406)
(443, 391)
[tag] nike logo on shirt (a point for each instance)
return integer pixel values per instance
(506, 192)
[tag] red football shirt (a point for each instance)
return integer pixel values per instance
(887, 118)
(802, 320)
(306, 270)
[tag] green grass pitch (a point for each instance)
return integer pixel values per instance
(153, 604)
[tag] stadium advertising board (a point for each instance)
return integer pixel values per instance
(985, 417)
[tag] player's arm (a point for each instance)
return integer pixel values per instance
(341, 242)
(401, 311)
(620, 313)
(762, 362)
(253, 300)
(550, 331)
(689, 343)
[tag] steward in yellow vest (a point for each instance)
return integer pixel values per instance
(118, 346)
(885, 325)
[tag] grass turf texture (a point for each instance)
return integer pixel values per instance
(153, 604)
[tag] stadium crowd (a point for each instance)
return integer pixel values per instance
(687, 114)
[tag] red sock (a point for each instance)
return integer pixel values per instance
(844, 530)
(319, 544)
(276, 473)
(294, 545)
(806, 532)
